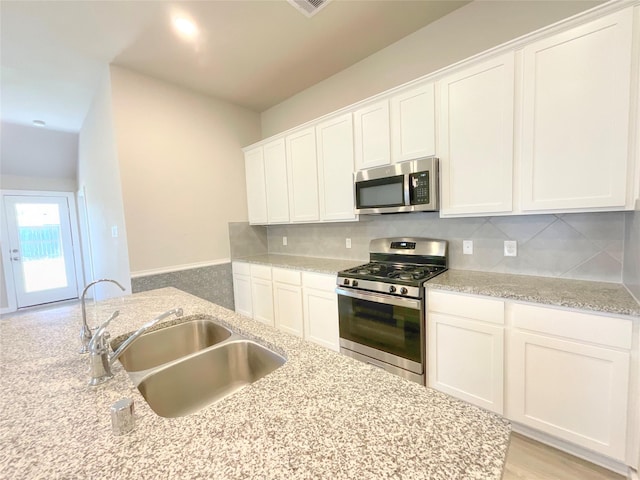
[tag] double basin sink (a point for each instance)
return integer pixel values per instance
(182, 368)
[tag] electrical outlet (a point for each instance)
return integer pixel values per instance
(284, 241)
(467, 247)
(510, 248)
(348, 243)
(114, 231)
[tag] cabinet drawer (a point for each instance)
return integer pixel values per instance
(241, 268)
(587, 327)
(285, 275)
(319, 281)
(468, 306)
(261, 271)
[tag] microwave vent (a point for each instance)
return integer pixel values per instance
(308, 7)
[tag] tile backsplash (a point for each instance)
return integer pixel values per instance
(586, 246)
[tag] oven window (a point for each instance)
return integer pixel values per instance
(392, 329)
(383, 192)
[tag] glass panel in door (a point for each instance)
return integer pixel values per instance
(41, 246)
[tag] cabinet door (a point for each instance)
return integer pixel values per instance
(335, 168)
(371, 133)
(575, 391)
(466, 360)
(256, 189)
(303, 176)
(262, 296)
(575, 116)
(321, 317)
(476, 138)
(288, 308)
(242, 294)
(413, 124)
(275, 164)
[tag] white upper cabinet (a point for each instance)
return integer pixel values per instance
(256, 192)
(372, 136)
(303, 176)
(275, 164)
(575, 117)
(413, 124)
(476, 138)
(335, 168)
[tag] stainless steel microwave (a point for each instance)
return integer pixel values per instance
(403, 187)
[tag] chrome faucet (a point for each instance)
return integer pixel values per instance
(102, 360)
(85, 333)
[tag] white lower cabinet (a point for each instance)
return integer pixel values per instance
(287, 299)
(242, 288)
(561, 372)
(300, 303)
(262, 294)
(568, 376)
(321, 310)
(466, 348)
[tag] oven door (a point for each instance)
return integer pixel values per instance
(384, 327)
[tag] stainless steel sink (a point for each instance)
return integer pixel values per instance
(167, 344)
(204, 378)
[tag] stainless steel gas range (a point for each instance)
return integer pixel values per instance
(381, 304)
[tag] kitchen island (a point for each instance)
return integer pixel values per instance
(320, 415)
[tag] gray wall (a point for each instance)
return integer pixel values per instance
(631, 269)
(587, 246)
(213, 283)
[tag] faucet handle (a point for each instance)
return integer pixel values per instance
(99, 340)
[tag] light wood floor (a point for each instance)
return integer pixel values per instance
(531, 460)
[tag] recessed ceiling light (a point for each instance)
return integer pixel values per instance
(39, 123)
(185, 27)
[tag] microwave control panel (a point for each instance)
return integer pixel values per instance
(419, 191)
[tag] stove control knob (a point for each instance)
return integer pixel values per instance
(346, 281)
(392, 289)
(354, 283)
(404, 291)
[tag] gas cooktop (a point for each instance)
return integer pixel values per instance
(398, 266)
(405, 274)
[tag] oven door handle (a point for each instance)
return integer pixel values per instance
(377, 298)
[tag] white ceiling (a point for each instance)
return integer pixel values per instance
(254, 53)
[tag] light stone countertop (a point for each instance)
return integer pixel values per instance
(601, 297)
(320, 415)
(296, 262)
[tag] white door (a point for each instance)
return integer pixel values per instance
(256, 189)
(575, 116)
(287, 301)
(335, 168)
(275, 167)
(476, 138)
(302, 168)
(372, 137)
(41, 249)
(413, 124)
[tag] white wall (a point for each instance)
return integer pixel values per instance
(19, 182)
(34, 152)
(99, 174)
(182, 170)
(467, 31)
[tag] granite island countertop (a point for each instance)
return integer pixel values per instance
(320, 415)
(612, 298)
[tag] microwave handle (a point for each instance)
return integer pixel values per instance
(378, 298)
(407, 189)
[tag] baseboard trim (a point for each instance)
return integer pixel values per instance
(575, 450)
(178, 268)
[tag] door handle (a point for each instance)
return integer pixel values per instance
(15, 259)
